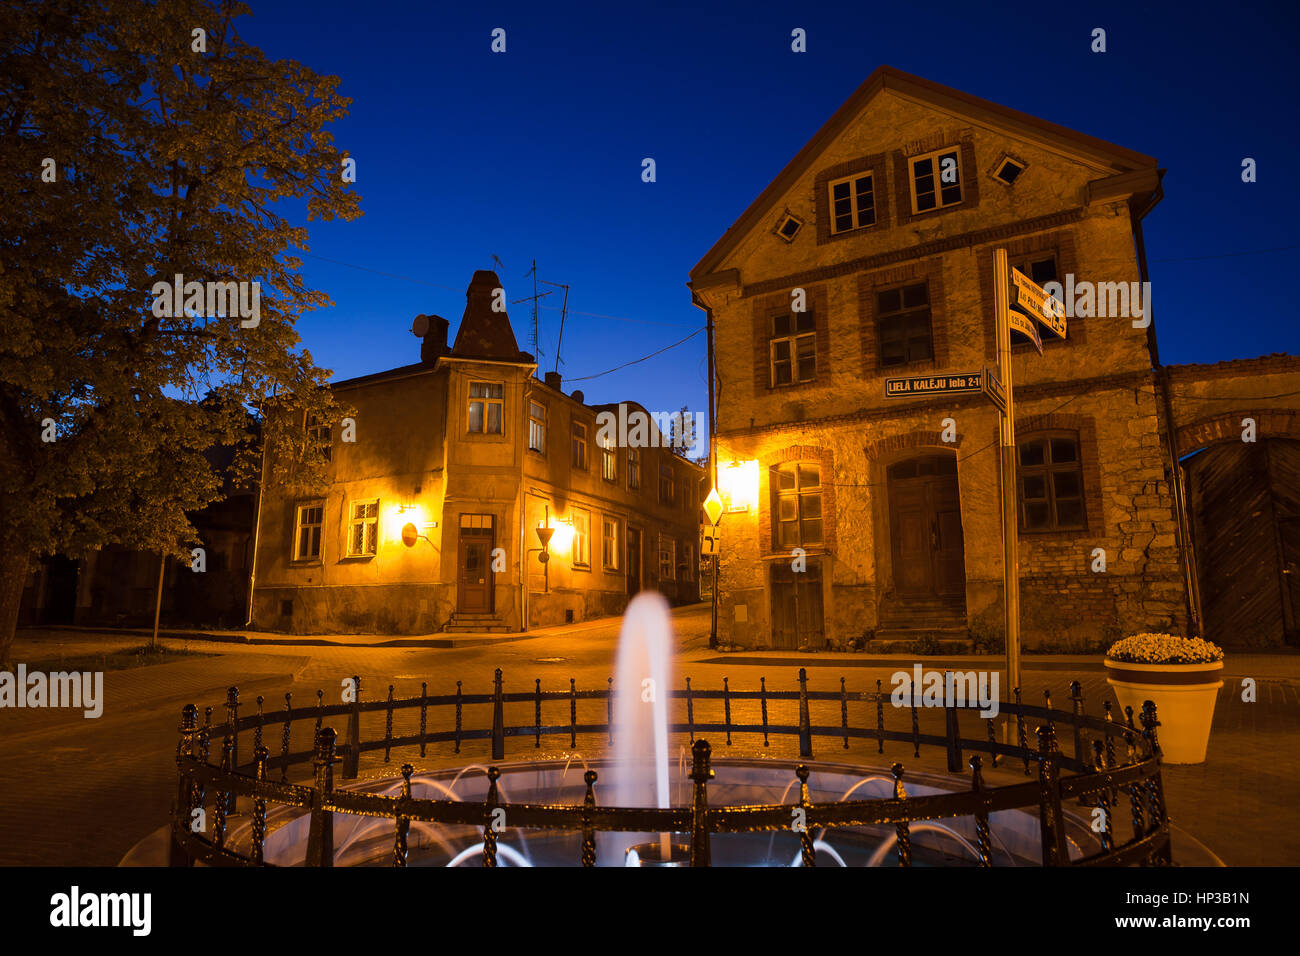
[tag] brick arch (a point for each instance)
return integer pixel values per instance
(814, 453)
(918, 438)
(1226, 426)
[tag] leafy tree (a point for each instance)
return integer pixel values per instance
(135, 148)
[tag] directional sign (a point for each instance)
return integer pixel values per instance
(994, 390)
(709, 539)
(932, 385)
(1029, 297)
(1026, 326)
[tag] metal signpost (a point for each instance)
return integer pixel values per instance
(1021, 304)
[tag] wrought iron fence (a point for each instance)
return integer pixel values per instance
(1110, 758)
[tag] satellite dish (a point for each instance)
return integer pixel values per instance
(420, 327)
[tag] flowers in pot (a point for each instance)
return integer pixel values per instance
(1180, 675)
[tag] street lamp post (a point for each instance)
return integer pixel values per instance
(713, 511)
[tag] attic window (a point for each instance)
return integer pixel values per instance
(789, 227)
(1008, 170)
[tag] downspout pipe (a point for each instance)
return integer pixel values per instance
(1187, 558)
(713, 455)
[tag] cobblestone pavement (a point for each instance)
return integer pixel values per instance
(79, 791)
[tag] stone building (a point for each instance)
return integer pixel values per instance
(468, 453)
(852, 515)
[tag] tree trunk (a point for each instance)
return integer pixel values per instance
(13, 576)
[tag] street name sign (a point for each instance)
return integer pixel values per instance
(1032, 299)
(1019, 322)
(994, 390)
(932, 385)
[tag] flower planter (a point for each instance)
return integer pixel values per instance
(1184, 695)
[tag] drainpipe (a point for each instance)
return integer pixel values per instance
(713, 458)
(1187, 558)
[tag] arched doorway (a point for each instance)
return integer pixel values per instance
(927, 551)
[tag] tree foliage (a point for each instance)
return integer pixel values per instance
(136, 149)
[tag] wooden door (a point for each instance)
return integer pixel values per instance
(925, 529)
(797, 612)
(474, 577)
(633, 561)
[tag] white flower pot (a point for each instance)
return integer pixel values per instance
(1184, 695)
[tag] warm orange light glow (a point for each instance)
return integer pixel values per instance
(562, 539)
(400, 515)
(738, 485)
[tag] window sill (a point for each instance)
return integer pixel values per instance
(306, 563)
(916, 365)
(581, 567)
(356, 557)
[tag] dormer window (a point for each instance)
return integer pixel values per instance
(936, 180)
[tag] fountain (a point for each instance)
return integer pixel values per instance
(621, 811)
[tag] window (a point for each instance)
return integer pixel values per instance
(853, 203)
(581, 538)
(634, 468)
(686, 570)
(903, 324)
(579, 446)
(1008, 170)
(363, 528)
(789, 227)
(1041, 267)
(485, 407)
(608, 459)
(798, 505)
(667, 485)
(936, 180)
(537, 427)
(320, 435)
(609, 543)
(667, 558)
(1051, 483)
(792, 349)
(309, 519)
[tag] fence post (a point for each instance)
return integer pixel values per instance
(1107, 834)
(388, 727)
(950, 725)
(489, 812)
(807, 852)
(983, 839)
(320, 835)
(232, 737)
(352, 762)
(701, 774)
(1050, 815)
(805, 723)
(284, 737)
(588, 834)
(403, 818)
(902, 829)
(498, 721)
(183, 813)
(1076, 706)
(260, 756)
(1155, 785)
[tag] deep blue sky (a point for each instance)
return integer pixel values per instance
(536, 153)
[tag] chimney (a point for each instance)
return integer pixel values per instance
(553, 380)
(432, 332)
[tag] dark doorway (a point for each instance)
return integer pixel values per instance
(61, 590)
(1244, 504)
(474, 576)
(797, 606)
(633, 561)
(925, 531)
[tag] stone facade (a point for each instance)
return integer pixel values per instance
(1093, 398)
(428, 452)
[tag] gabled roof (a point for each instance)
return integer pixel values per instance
(1117, 159)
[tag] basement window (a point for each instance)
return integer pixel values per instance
(1008, 170)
